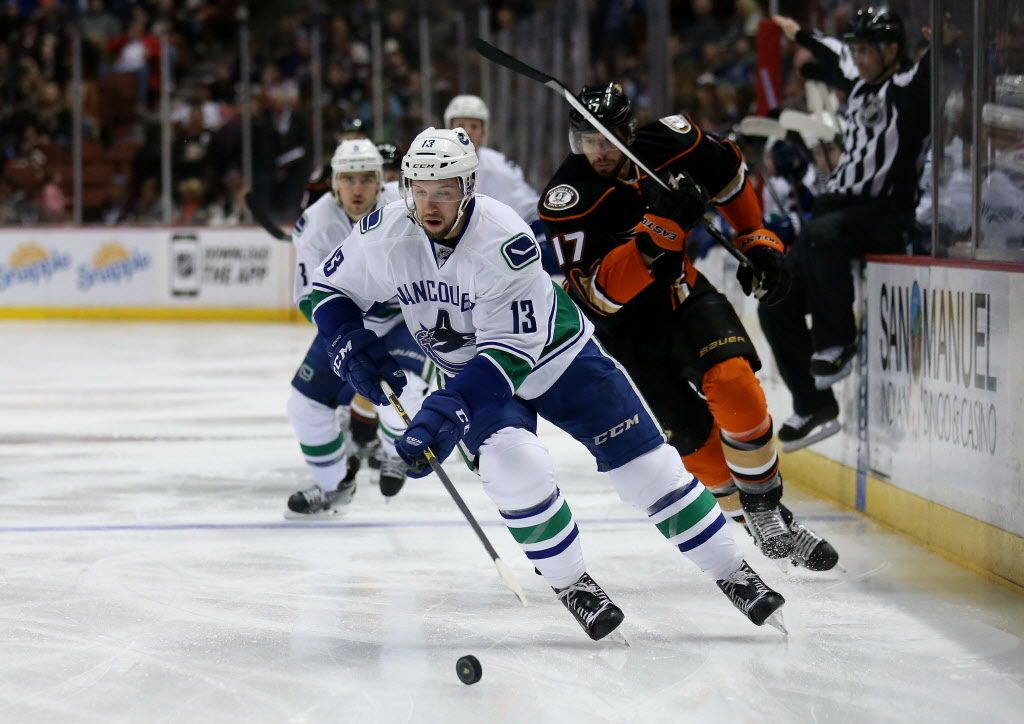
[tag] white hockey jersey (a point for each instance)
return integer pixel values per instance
(501, 179)
(489, 296)
(319, 230)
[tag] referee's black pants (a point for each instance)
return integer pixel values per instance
(843, 228)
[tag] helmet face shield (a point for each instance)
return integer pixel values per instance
(590, 140)
(611, 106)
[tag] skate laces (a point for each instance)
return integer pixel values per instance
(574, 604)
(314, 495)
(741, 577)
(766, 524)
(392, 467)
(796, 421)
(831, 354)
(805, 541)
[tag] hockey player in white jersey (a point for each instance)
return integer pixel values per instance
(317, 394)
(512, 346)
(498, 176)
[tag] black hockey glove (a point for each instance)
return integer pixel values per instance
(686, 203)
(775, 277)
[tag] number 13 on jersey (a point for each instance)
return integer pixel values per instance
(523, 321)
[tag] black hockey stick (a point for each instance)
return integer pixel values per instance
(514, 64)
(504, 572)
(264, 220)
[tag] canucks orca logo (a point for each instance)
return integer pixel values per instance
(443, 338)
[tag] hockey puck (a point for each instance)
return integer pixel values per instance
(469, 670)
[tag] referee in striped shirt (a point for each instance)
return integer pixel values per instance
(867, 208)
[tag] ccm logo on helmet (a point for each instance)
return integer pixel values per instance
(658, 228)
(617, 430)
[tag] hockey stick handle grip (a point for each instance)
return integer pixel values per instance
(435, 465)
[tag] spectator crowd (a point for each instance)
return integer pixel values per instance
(711, 46)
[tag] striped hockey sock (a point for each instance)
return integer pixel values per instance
(326, 461)
(690, 518)
(549, 537)
(752, 460)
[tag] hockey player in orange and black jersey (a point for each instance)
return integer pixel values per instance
(621, 240)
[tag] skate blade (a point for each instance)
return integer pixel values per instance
(823, 382)
(822, 431)
(777, 622)
(617, 636)
(322, 515)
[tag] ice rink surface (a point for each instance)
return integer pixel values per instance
(147, 575)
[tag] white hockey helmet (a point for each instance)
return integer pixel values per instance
(440, 153)
(357, 155)
(466, 106)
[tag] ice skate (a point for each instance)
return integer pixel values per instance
(832, 364)
(591, 607)
(392, 473)
(765, 523)
(753, 597)
(363, 436)
(799, 431)
(810, 550)
(314, 502)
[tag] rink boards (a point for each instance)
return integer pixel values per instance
(935, 448)
(145, 273)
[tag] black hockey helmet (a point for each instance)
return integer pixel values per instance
(353, 128)
(392, 156)
(876, 25)
(610, 105)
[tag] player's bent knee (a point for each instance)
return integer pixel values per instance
(648, 478)
(516, 469)
(735, 396)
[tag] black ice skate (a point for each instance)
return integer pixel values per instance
(799, 431)
(831, 365)
(765, 523)
(753, 598)
(315, 502)
(392, 473)
(810, 550)
(593, 610)
(363, 434)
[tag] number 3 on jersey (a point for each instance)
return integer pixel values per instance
(576, 239)
(523, 321)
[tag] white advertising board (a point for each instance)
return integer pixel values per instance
(945, 400)
(136, 267)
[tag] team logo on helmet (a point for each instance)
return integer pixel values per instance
(561, 197)
(677, 123)
(463, 138)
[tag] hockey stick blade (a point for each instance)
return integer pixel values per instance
(807, 124)
(496, 55)
(264, 220)
(760, 127)
(504, 572)
(514, 64)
